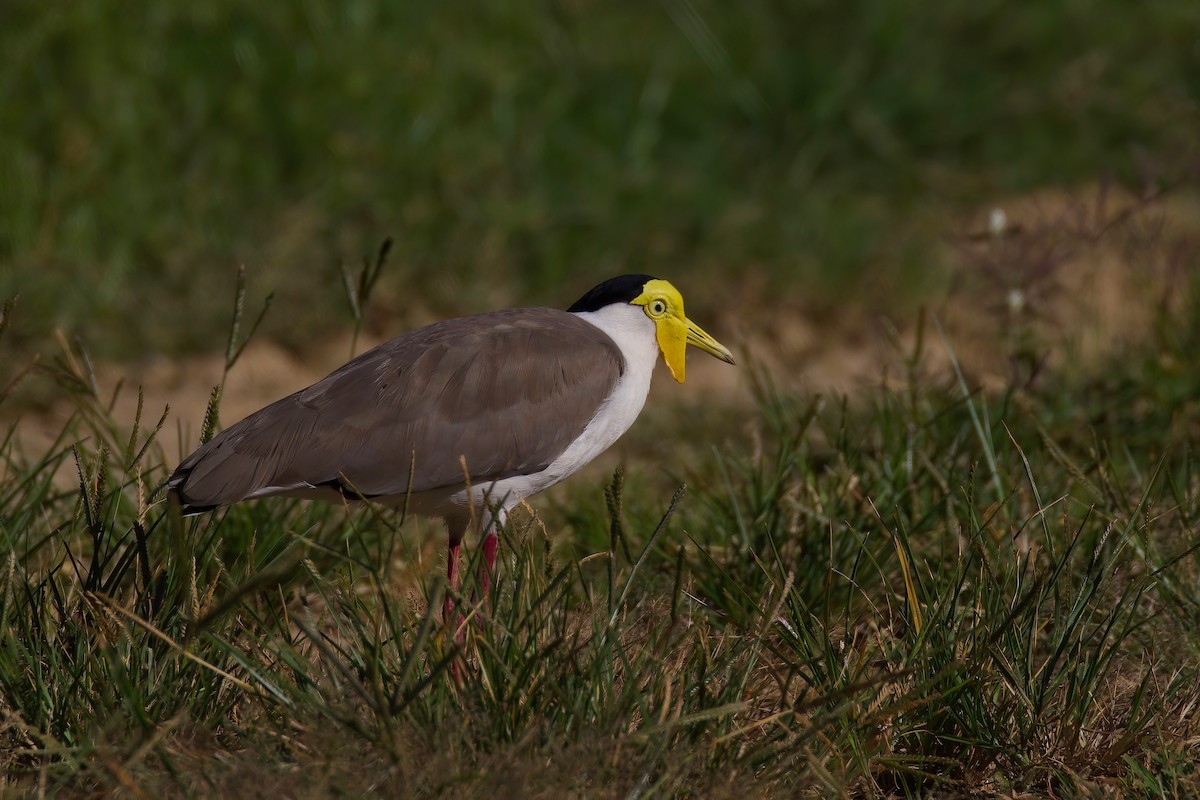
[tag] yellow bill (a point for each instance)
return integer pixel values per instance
(675, 334)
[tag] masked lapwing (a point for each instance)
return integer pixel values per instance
(461, 419)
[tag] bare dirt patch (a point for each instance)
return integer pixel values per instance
(1055, 279)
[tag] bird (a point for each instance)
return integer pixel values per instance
(461, 419)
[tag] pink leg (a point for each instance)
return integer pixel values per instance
(491, 543)
(451, 583)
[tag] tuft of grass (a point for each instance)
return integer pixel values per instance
(940, 590)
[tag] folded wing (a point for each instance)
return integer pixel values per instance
(506, 391)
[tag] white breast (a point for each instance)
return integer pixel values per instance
(634, 334)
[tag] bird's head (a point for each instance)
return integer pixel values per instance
(663, 304)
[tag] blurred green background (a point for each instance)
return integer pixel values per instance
(520, 151)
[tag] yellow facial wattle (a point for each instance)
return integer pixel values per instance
(674, 331)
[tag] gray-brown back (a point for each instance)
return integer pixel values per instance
(507, 391)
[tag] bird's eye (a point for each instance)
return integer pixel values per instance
(658, 308)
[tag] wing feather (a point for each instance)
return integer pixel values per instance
(508, 391)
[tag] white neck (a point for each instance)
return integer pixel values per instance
(634, 333)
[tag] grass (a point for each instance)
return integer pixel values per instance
(934, 590)
(517, 150)
(976, 577)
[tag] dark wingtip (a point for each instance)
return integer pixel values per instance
(346, 489)
(174, 487)
(191, 511)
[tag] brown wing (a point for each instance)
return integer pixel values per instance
(507, 391)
